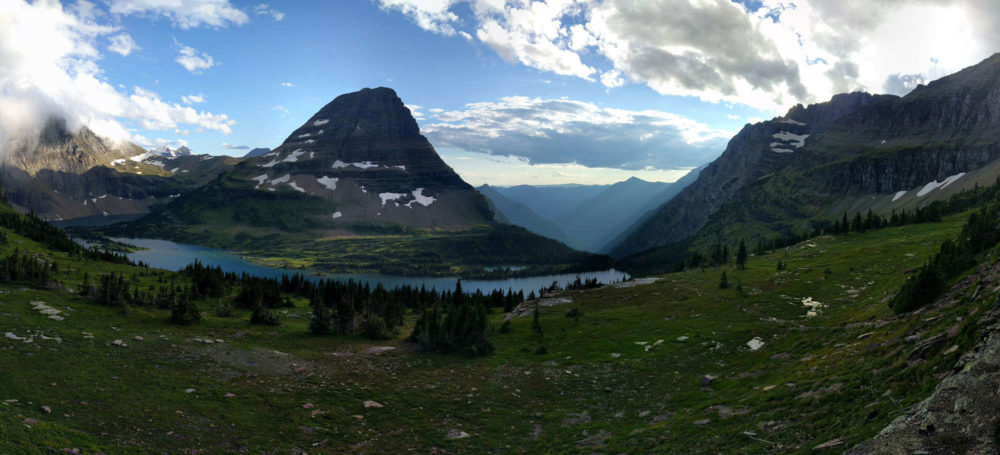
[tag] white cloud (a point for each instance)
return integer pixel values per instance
(155, 114)
(477, 169)
(194, 61)
(265, 9)
(781, 53)
(183, 13)
(235, 147)
(287, 84)
(58, 75)
(281, 109)
(564, 131)
(193, 99)
(612, 79)
(123, 44)
(432, 15)
(415, 111)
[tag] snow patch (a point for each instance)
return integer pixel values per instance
(755, 344)
(260, 179)
(364, 165)
(310, 141)
(797, 140)
(898, 195)
(294, 156)
(337, 215)
(321, 122)
(400, 167)
(791, 122)
(282, 179)
(305, 135)
(156, 163)
(419, 198)
(780, 150)
(140, 157)
(339, 164)
(296, 187)
(329, 182)
(174, 170)
(386, 197)
(271, 164)
(118, 162)
(934, 184)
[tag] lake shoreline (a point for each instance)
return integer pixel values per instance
(174, 256)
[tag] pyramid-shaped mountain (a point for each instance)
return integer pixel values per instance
(355, 188)
(363, 152)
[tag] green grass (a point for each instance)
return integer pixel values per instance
(829, 381)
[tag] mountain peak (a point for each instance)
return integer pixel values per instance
(370, 112)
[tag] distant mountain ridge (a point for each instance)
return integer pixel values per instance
(519, 214)
(592, 216)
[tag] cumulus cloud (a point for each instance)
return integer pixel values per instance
(58, 76)
(415, 111)
(280, 109)
(235, 147)
(287, 84)
(194, 61)
(183, 13)
(770, 55)
(123, 44)
(193, 99)
(265, 9)
(569, 131)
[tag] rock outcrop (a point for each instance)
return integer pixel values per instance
(961, 415)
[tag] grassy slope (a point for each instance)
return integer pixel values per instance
(310, 394)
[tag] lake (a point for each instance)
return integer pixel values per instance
(169, 255)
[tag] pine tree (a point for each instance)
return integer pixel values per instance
(741, 255)
(536, 324)
(321, 322)
(724, 283)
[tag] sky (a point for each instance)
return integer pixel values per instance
(508, 91)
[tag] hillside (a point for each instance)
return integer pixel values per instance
(890, 154)
(756, 151)
(796, 360)
(356, 188)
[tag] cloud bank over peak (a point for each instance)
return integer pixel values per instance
(59, 75)
(767, 54)
(547, 131)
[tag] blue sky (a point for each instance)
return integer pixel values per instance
(508, 92)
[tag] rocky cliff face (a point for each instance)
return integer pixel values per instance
(858, 145)
(756, 151)
(363, 152)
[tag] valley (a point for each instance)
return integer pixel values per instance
(724, 391)
(468, 227)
